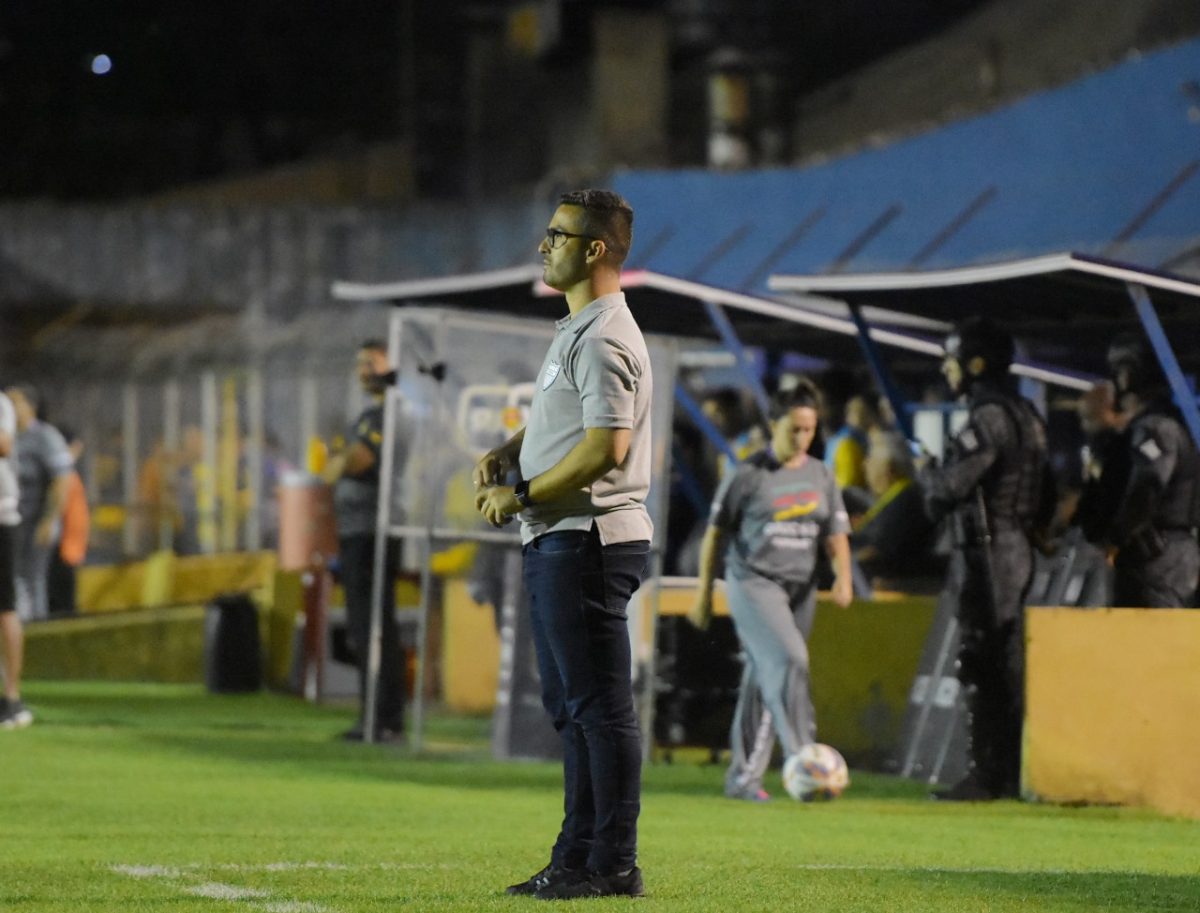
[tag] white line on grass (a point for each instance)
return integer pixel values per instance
(146, 871)
(214, 890)
(255, 898)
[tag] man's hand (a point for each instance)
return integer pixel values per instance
(700, 614)
(843, 591)
(491, 469)
(497, 503)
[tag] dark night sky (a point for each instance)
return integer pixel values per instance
(194, 89)
(203, 89)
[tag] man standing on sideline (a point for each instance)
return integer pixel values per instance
(44, 464)
(584, 460)
(13, 713)
(997, 490)
(354, 473)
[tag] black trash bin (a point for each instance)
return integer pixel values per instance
(232, 647)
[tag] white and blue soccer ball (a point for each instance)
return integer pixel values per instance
(816, 771)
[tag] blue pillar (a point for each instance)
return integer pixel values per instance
(1184, 396)
(880, 372)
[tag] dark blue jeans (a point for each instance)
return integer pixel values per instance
(578, 593)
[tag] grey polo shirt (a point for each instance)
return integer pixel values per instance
(595, 375)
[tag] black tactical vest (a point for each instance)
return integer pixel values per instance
(1179, 506)
(1012, 488)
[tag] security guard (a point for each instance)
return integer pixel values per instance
(996, 489)
(1150, 488)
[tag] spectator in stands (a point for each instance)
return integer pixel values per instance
(726, 408)
(73, 537)
(893, 539)
(43, 465)
(846, 452)
(13, 713)
(1147, 503)
(776, 509)
(354, 473)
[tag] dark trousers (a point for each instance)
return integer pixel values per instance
(991, 657)
(60, 585)
(1166, 581)
(578, 594)
(357, 560)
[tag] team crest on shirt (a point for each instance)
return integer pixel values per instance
(552, 370)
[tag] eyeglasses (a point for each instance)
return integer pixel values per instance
(556, 238)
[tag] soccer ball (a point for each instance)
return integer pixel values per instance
(816, 771)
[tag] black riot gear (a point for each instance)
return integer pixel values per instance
(995, 489)
(1133, 368)
(978, 337)
(1146, 502)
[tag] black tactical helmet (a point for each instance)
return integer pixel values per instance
(1132, 366)
(978, 337)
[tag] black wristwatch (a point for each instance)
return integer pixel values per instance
(521, 492)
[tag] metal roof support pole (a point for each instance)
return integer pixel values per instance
(129, 469)
(383, 524)
(730, 339)
(707, 428)
(879, 370)
(1184, 396)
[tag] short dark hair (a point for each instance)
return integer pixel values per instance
(373, 344)
(606, 216)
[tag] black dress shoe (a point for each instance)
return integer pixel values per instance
(551, 874)
(591, 884)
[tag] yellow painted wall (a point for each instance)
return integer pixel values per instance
(470, 650)
(155, 645)
(863, 659)
(1112, 707)
(167, 579)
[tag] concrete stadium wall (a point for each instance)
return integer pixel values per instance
(1112, 700)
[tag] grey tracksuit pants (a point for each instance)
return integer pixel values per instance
(773, 622)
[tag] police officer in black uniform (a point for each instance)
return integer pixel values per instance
(1147, 502)
(996, 488)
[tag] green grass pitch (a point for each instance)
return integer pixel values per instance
(127, 798)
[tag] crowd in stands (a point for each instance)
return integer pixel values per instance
(894, 543)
